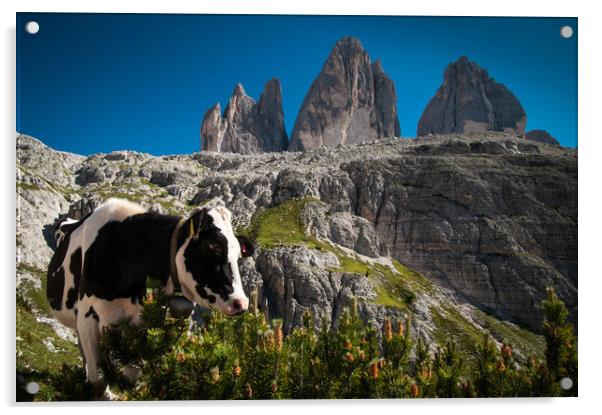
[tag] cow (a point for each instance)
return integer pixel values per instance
(97, 275)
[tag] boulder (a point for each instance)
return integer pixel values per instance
(542, 136)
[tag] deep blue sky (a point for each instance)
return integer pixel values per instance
(90, 83)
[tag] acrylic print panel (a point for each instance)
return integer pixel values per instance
(296, 207)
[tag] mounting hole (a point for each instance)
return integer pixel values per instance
(32, 388)
(566, 383)
(566, 32)
(32, 27)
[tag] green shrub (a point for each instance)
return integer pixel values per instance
(249, 358)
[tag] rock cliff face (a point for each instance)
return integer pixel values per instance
(246, 126)
(541, 136)
(351, 101)
(470, 101)
(461, 232)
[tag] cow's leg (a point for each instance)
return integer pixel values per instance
(81, 350)
(113, 312)
(89, 333)
(132, 372)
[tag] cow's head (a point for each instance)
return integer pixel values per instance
(207, 261)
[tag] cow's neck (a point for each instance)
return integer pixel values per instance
(181, 234)
(175, 243)
(156, 233)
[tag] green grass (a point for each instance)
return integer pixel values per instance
(387, 298)
(282, 226)
(108, 193)
(349, 263)
(34, 359)
(32, 301)
(417, 281)
(28, 186)
(64, 191)
(168, 207)
(529, 343)
(32, 353)
(33, 356)
(130, 191)
(146, 181)
(35, 297)
(450, 324)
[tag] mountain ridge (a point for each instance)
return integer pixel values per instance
(403, 226)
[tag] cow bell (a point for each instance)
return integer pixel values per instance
(180, 307)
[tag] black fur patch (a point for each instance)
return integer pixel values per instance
(124, 253)
(92, 312)
(55, 277)
(75, 267)
(206, 258)
(71, 297)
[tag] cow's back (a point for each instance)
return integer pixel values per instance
(65, 268)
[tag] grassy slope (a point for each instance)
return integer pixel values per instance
(282, 226)
(40, 352)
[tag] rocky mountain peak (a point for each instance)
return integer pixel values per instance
(240, 103)
(212, 129)
(348, 46)
(350, 101)
(470, 101)
(271, 97)
(246, 126)
(385, 103)
(464, 69)
(239, 90)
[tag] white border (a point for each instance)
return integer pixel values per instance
(590, 139)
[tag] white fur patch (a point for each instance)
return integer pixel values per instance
(222, 219)
(187, 282)
(111, 311)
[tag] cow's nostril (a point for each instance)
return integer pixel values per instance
(237, 305)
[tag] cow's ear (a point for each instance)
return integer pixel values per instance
(246, 246)
(199, 221)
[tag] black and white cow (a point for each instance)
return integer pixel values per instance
(98, 273)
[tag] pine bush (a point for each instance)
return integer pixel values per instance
(250, 358)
